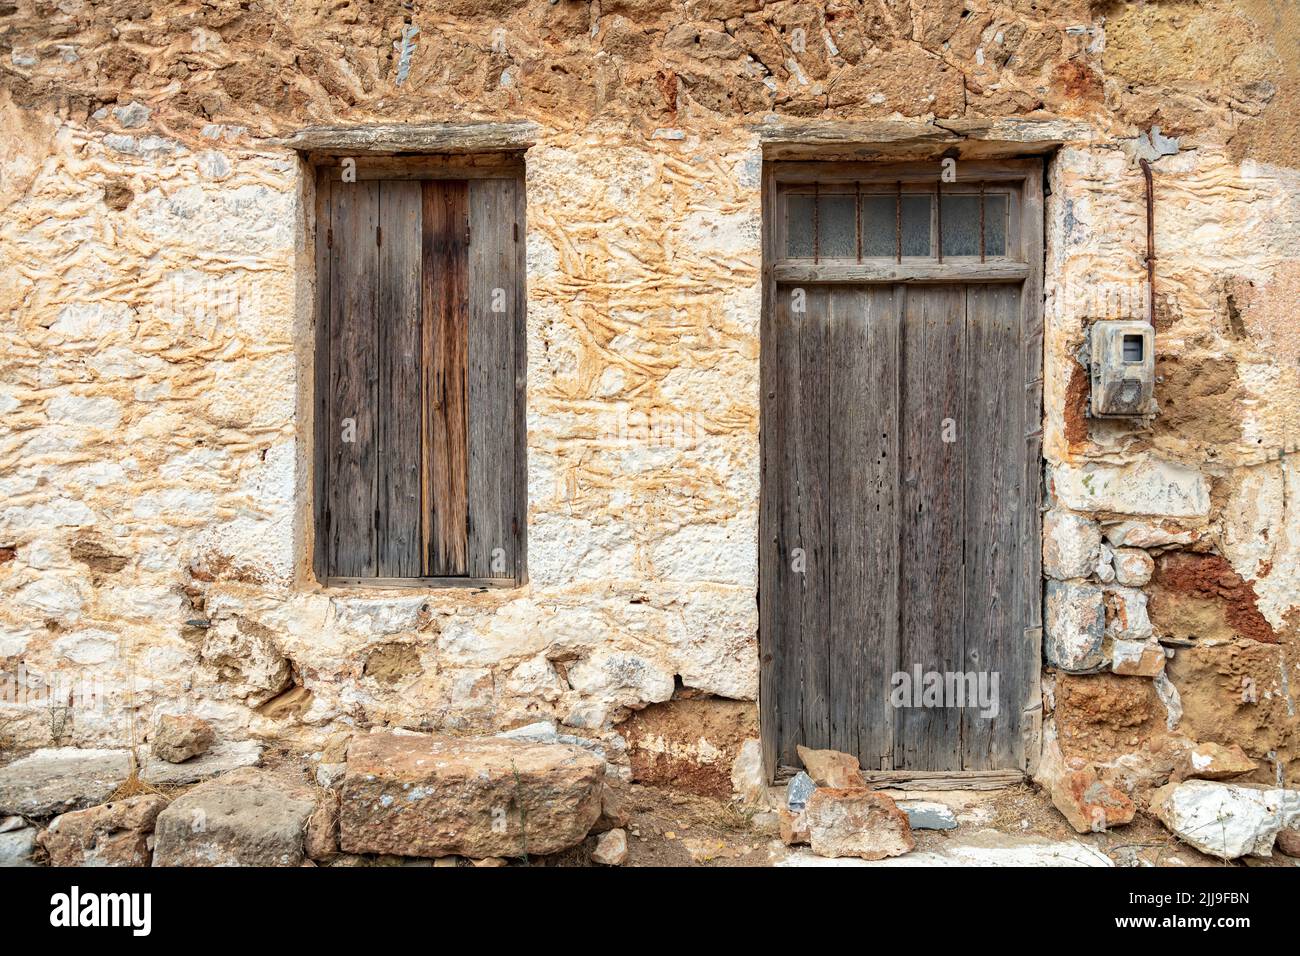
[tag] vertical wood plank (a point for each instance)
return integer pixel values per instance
(519, 519)
(397, 520)
(351, 493)
(812, 397)
(1031, 535)
(994, 500)
(445, 306)
(864, 494)
(493, 306)
(321, 381)
(931, 517)
(773, 660)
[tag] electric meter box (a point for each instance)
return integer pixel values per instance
(1123, 359)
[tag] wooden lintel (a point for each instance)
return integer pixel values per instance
(450, 138)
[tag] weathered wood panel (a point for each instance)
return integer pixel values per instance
(932, 535)
(493, 313)
(321, 380)
(352, 494)
(810, 566)
(900, 456)
(994, 494)
(397, 518)
(864, 496)
(444, 386)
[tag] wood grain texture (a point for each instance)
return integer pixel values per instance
(444, 385)
(397, 521)
(493, 312)
(931, 533)
(932, 546)
(321, 381)
(994, 497)
(351, 495)
(809, 477)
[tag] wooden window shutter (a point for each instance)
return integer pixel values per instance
(419, 412)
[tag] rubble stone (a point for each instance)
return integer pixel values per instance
(16, 847)
(428, 795)
(1133, 567)
(177, 738)
(611, 848)
(748, 780)
(928, 815)
(1071, 545)
(224, 757)
(1288, 842)
(112, 834)
(830, 768)
(856, 822)
(792, 826)
(248, 817)
(1088, 804)
(1226, 820)
(798, 790)
(1075, 627)
(1137, 658)
(1211, 761)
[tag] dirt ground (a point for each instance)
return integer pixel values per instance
(671, 828)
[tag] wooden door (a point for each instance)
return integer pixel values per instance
(901, 357)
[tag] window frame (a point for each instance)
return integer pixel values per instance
(1005, 177)
(327, 165)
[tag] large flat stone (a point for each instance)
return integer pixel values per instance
(981, 848)
(249, 817)
(59, 779)
(433, 796)
(222, 758)
(1143, 488)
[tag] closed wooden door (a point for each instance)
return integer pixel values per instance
(899, 586)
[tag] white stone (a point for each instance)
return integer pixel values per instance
(87, 647)
(1105, 570)
(1147, 487)
(1071, 545)
(1142, 534)
(94, 411)
(1128, 619)
(748, 781)
(611, 848)
(1226, 820)
(610, 680)
(1074, 629)
(1133, 567)
(981, 848)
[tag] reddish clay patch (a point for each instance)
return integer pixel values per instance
(1076, 406)
(1210, 577)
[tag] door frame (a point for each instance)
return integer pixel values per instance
(1027, 174)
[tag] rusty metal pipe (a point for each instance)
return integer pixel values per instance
(1151, 244)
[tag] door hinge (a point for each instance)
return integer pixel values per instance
(468, 233)
(329, 238)
(516, 232)
(379, 235)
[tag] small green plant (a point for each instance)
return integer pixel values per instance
(523, 814)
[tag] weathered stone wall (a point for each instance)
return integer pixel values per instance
(155, 289)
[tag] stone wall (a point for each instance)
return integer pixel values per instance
(155, 289)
